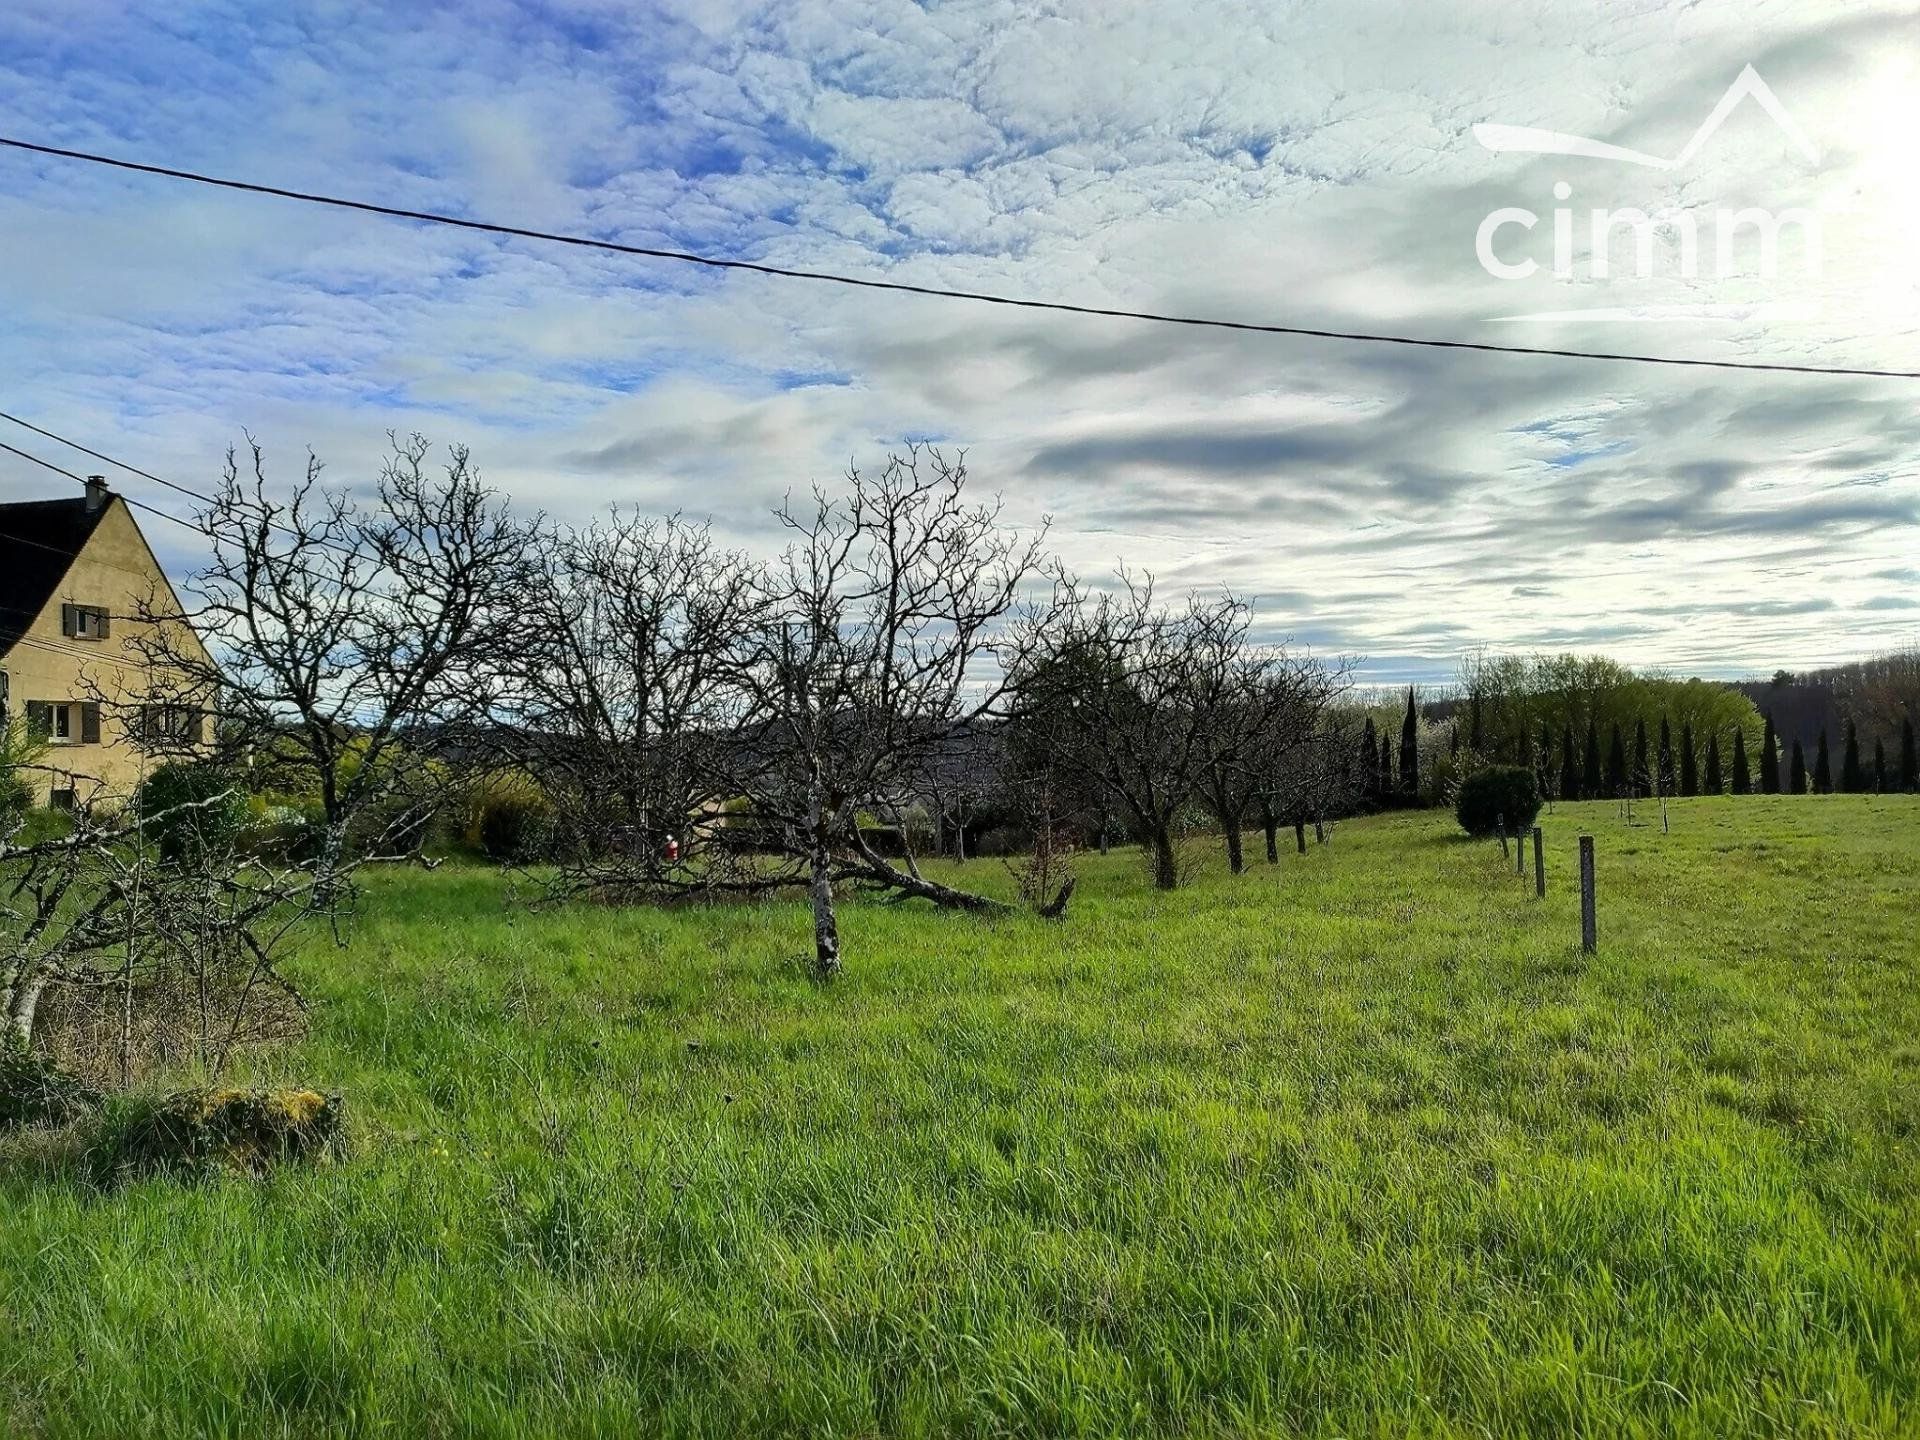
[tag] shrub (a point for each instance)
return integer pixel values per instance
(510, 818)
(188, 814)
(1498, 792)
(35, 1091)
(516, 829)
(17, 749)
(291, 833)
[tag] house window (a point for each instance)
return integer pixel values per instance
(63, 798)
(64, 722)
(169, 724)
(84, 622)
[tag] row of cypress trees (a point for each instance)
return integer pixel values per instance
(1683, 771)
(1382, 781)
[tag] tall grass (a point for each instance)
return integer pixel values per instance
(1359, 1144)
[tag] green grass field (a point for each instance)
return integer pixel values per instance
(1360, 1144)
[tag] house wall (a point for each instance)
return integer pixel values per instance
(116, 571)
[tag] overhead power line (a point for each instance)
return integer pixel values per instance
(714, 262)
(132, 469)
(81, 480)
(108, 459)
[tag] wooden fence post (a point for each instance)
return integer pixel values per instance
(1539, 865)
(1589, 936)
(1520, 853)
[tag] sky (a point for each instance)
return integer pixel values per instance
(1295, 163)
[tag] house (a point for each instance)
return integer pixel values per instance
(75, 575)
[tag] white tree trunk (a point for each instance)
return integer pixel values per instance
(826, 930)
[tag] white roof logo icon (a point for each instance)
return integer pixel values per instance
(1524, 139)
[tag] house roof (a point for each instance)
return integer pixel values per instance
(39, 540)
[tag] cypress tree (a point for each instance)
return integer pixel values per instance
(1713, 763)
(1879, 766)
(1822, 768)
(1797, 774)
(1410, 753)
(1853, 779)
(1474, 734)
(1770, 760)
(1689, 768)
(1909, 761)
(1369, 762)
(1386, 769)
(1616, 766)
(1569, 771)
(1642, 776)
(1742, 782)
(1590, 772)
(1667, 777)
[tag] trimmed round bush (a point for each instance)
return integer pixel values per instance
(1496, 792)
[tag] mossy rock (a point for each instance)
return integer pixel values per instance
(197, 1132)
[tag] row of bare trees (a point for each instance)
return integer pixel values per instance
(703, 722)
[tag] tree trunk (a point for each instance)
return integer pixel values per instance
(1166, 866)
(1300, 835)
(24, 1004)
(960, 844)
(1272, 827)
(1236, 853)
(826, 930)
(871, 867)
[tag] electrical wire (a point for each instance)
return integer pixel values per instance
(714, 262)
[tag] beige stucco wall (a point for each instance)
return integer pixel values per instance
(115, 571)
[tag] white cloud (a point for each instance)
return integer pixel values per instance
(1297, 162)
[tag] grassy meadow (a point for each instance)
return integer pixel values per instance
(1358, 1144)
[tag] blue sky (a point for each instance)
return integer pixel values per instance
(1303, 163)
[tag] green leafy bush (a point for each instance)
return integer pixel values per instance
(191, 810)
(290, 832)
(510, 818)
(1496, 793)
(516, 828)
(35, 1091)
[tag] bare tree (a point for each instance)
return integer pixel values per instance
(874, 646)
(334, 633)
(1315, 780)
(1262, 705)
(1292, 761)
(181, 940)
(1133, 699)
(617, 697)
(961, 777)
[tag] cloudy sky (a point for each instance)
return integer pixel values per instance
(1300, 163)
